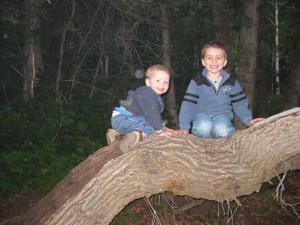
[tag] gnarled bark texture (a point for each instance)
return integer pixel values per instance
(214, 169)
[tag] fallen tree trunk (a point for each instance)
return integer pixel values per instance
(213, 169)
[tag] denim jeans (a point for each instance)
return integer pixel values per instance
(206, 126)
(125, 124)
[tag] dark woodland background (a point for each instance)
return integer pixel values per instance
(65, 64)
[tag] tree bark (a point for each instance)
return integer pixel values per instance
(247, 64)
(248, 33)
(171, 102)
(95, 191)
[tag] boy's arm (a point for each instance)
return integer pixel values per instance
(150, 108)
(168, 132)
(240, 104)
(188, 106)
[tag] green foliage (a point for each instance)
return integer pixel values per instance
(121, 217)
(42, 141)
(124, 216)
(266, 193)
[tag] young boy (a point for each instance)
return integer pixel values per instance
(212, 97)
(140, 115)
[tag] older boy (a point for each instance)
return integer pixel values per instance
(212, 97)
(140, 114)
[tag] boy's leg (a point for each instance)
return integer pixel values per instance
(202, 126)
(130, 141)
(134, 127)
(222, 126)
(127, 124)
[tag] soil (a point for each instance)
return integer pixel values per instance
(256, 209)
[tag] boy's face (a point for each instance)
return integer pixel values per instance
(214, 60)
(159, 81)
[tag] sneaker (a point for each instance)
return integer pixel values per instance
(130, 141)
(111, 136)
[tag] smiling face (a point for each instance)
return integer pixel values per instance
(214, 60)
(158, 80)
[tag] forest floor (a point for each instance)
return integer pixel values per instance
(257, 209)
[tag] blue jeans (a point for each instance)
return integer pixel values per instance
(125, 124)
(206, 126)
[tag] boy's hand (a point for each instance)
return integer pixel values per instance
(164, 134)
(254, 121)
(168, 131)
(181, 132)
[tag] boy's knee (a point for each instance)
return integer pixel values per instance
(222, 131)
(202, 132)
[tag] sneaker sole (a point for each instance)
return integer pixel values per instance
(129, 142)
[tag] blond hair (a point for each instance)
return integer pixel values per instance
(154, 68)
(213, 44)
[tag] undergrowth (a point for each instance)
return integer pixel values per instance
(42, 141)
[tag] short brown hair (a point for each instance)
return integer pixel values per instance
(156, 67)
(213, 44)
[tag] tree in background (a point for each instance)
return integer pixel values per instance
(166, 50)
(222, 26)
(248, 38)
(32, 53)
(65, 29)
(92, 43)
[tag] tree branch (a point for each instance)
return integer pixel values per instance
(214, 169)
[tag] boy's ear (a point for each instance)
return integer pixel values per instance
(147, 82)
(225, 63)
(202, 61)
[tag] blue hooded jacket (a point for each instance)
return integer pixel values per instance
(147, 103)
